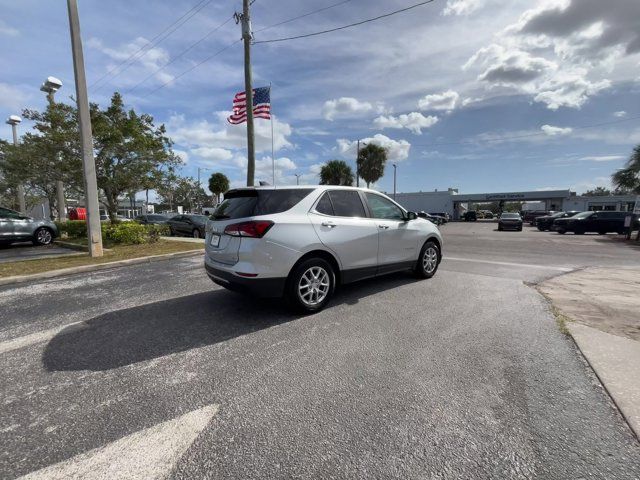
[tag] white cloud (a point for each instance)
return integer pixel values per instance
(439, 101)
(413, 121)
(555, 131)
(223, 135)
(397, 150)
(151, 59)
(12, 98)
(345, 107)
(462, 7)
(213, 154)
(568, 90)
(602, 158)
(8, 30)
(184, 156)
(284, 169)
(620, 114)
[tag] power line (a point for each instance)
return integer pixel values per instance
(345, 26)
(180, 55)
(144, 49)
(302, 16)
(528, 135)
(193, 67)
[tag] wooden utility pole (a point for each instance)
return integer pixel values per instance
(248, 89)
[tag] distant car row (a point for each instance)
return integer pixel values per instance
(188, 224)
(601, 222)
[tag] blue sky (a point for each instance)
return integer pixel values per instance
(471, 94)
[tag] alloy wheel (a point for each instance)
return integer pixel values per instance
(313, 286)
(44, 236)
(430, 260)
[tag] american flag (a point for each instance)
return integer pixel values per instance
(261, 105)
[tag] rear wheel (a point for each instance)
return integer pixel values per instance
(196, 233)
(602, 232)
(578, 232)
(42, 236)
(428, 262)
(311, 285)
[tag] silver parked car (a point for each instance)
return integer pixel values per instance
(15, 227)
(301, 242)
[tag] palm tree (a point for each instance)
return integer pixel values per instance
(628, 178)
(336, 172)
(218, 184)
(371, 162)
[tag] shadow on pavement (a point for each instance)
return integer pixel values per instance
(145, 332)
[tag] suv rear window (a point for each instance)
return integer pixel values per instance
(250, 203)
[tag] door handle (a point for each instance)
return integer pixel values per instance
(384, 227)
(328, 224)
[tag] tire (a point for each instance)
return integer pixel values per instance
(310, 285)
(42, 236)
(499, 228)
(540, 228)
(561, 232)
(172, 232)
(578, 232)
(601, 232)
(428, 261)
(196, 233)
(520, 229)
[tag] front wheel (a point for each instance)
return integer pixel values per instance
(311, 285)
(428, 261)
(196, 233)
(561, 232)
(42, 236)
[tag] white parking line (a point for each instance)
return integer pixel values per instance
(38, 337)
(148, 454)
(508, 264)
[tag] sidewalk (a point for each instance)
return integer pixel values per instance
(603, 306)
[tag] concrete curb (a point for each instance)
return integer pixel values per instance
(92, 268)
(615, 361)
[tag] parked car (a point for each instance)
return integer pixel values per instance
(486, 214)
(153, 219)
(15, 227)
(599, 222)
(302, 242)
(444, 215)
(530, 216)
(546, 222)
(188, 224)
(470, 216)
(510, 221)
(436, 220)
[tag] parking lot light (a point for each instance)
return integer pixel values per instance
(14, 121)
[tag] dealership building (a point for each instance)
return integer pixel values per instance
(454, 203)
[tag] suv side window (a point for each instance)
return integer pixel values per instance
(325, 206)
(383, 208)
(347, 203)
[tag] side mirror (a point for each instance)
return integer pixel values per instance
(411, 216)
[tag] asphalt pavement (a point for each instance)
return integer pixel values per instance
(27, 251)
(154, 369)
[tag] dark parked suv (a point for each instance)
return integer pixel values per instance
(599, 222)
(546, 222)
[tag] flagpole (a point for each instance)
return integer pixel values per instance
(273, 158)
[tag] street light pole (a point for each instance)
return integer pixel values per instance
(395, 167)
(86, 137)
(298, 175)
(14, 120)
(358, 164)
(50, 86)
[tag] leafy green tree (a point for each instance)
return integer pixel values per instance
(627, 180)
(336, 172)
(129, 148)
(218, 184)
(371, 162)
(597, 192)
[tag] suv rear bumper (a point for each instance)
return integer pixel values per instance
(261, 287)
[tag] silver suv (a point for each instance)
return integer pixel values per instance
(300, 242)
(15, 227)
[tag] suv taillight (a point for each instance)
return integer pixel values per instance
(255, 229)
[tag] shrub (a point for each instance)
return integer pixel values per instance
(73, 228)
(116, 233)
